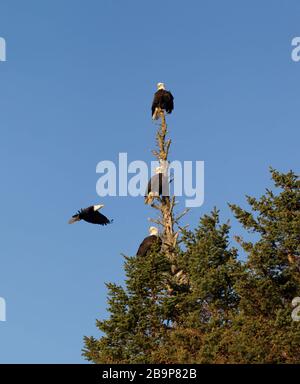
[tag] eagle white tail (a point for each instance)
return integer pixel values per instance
(155, 115)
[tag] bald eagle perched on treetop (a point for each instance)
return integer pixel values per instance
(91, 215)
(158, 185)
(149, 242)
(163, 100)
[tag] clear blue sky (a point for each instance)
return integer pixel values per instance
(76, 89)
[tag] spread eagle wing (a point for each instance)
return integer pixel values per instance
(97, 218)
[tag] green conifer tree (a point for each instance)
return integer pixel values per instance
(137, 322)
(263, 331)
(204, 307)
(196, 302)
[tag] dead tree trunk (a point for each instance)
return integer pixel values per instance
(165, 204)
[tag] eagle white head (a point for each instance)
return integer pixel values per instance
(153, 231)
(163, 167)
(159, 170)
(160, 86)
(97, 207)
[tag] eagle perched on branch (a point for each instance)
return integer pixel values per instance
(149, 242)
(158, 185)
(163, 100)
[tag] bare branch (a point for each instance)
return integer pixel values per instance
(158, 222)
(156, 154)
(181, 214)
(156, 206)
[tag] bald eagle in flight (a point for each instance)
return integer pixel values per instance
(158, 185)
(163, 100)
(149, 242)
(91, 215)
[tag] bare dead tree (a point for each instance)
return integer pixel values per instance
(166, 204)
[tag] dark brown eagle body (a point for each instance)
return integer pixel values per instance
(90, 216)
(164, 100)
(147, 244)
(158, 185)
